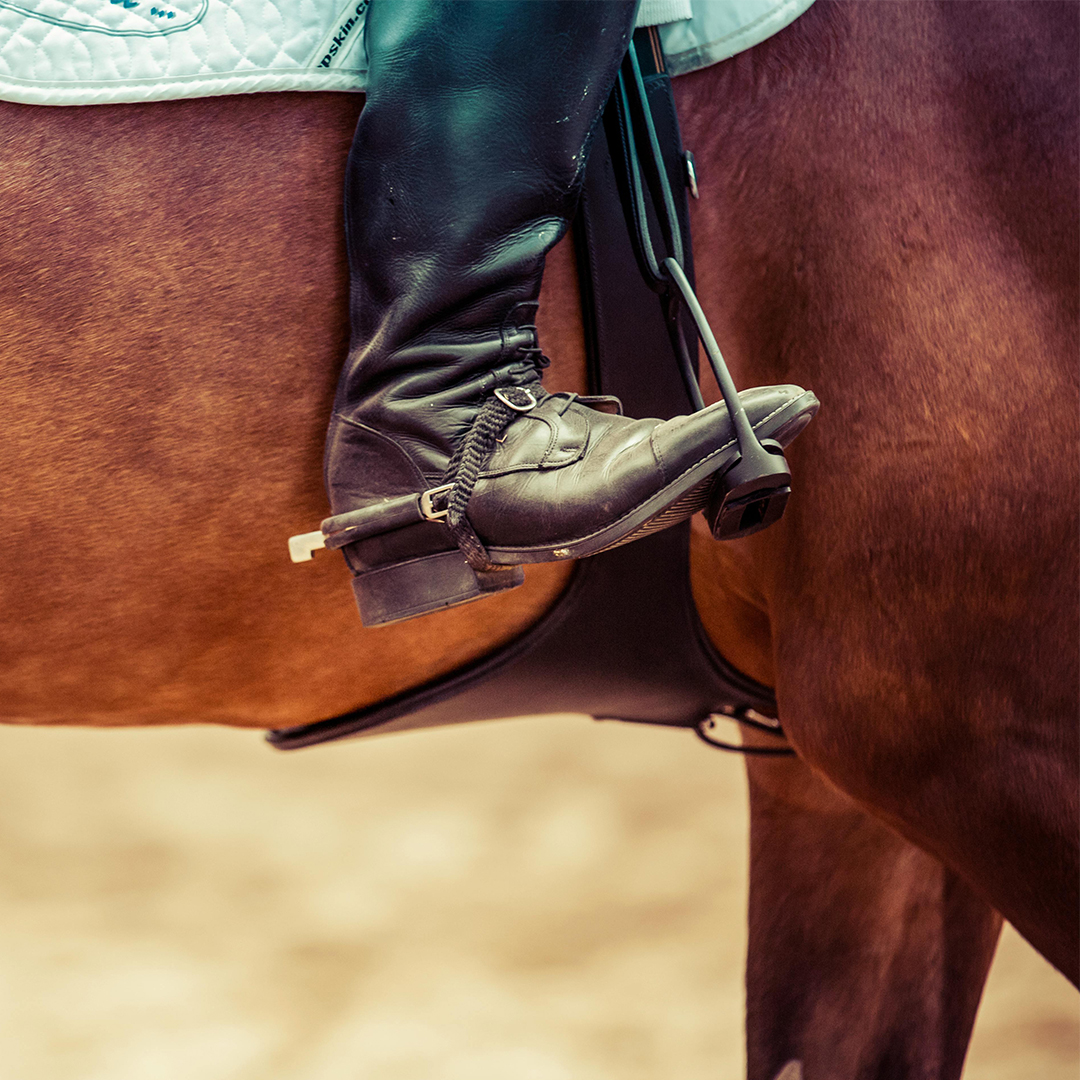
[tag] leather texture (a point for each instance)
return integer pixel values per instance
(614, 464)
(624, 640)
(464, 172)
(466, 168)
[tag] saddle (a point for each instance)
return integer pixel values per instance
(90, 52)
(624, 640)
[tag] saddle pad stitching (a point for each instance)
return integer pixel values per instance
(81, 52)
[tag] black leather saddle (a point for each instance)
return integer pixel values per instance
(624, 641)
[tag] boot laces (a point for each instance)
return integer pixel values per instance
(530, 353)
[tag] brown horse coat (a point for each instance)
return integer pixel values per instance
(889, 217)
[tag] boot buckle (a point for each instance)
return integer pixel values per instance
(427, 502)
(517, 398)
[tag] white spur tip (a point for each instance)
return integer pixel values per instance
(302, 545)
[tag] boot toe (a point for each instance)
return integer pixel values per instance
(629, 469)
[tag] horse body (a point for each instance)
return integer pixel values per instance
(913, 258)
(889, 216)
(899, 232)
(176, 314)
(924, 621)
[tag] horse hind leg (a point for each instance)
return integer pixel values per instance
(867, 956)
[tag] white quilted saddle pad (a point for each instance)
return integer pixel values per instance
(86, 52)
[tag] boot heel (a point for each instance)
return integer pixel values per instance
(399, 591)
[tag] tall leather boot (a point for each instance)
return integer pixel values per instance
(448, 465)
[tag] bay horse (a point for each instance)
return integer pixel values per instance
(889, 216)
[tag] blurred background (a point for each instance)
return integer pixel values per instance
(547, 899)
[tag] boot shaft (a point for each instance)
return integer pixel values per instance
(465, 171)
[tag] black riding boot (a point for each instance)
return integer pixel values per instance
(448, 465)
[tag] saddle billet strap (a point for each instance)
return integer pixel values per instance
(613, 234)
(624, 640)
(754, 491)
(614, 231)
(652, 187)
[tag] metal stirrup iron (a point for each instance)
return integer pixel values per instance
(751, 494)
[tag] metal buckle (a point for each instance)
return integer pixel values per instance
(691, 174)
(506, 393)
(427, 508)
(708, 731)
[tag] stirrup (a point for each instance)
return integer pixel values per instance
(752, 494)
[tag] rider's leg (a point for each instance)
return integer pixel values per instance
(465, 171)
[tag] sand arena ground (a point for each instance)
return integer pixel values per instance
(532, 900)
